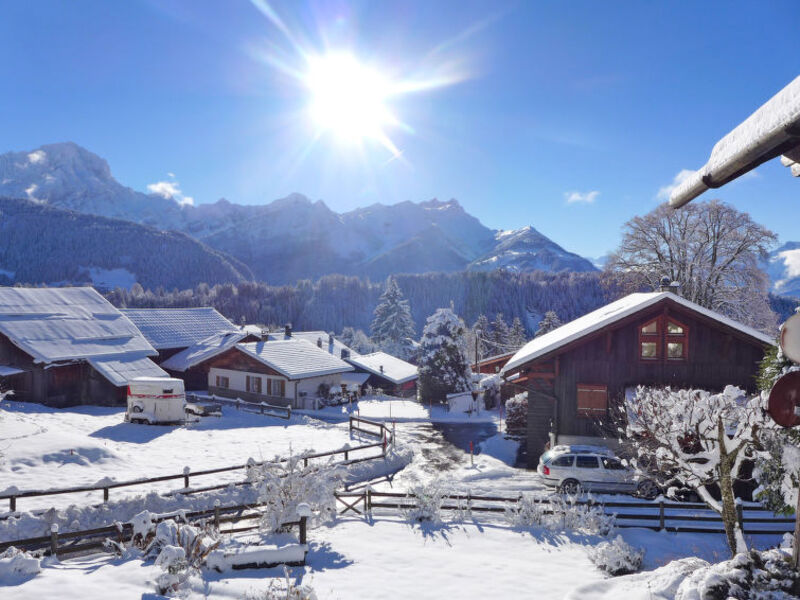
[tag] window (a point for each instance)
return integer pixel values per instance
(612, 464)
(586, 462)
(269, 387)
(677, 340)
(281, 387)
(253, 384)
(223, 382)
(592, 400)
(562, 461)
(663, 337)
(649, 340)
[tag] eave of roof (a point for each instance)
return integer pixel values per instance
(610, 314)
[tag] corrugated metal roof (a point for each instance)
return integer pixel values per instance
(609, 314)
(203, 350)
(120, 370)
(395, 369)
(178, 327)
(295, 359)
(55, 324)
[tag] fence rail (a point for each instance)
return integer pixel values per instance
(355, 424)
(688, 517)
(95, 539)
(263, 408)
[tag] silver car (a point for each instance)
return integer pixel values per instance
(573, 469)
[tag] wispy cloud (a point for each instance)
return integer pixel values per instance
(581, 197)
(171, 190)
(665, 191)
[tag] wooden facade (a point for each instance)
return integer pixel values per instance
(574, 388)
(59, 384)
(492, 364)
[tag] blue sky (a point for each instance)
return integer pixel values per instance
(601, 103)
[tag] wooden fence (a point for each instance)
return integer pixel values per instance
(263, 408)
(688, 517)
(378, 430)
(75, 542)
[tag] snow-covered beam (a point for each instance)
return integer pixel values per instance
(772, 130)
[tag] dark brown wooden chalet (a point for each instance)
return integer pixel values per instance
(492, 364)
(574, 373)
(68, 346)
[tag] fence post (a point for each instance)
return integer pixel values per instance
(740, 516)
(12, 504)
(216, 514)
(661, 515)
(368, 500)
(186, 472)
(105, 495)
(54, 539)
(303, 529)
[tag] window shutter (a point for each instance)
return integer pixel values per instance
(592, 400)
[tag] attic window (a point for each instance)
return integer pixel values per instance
(663, 337)
(650, 340)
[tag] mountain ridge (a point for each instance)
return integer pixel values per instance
(290, 238)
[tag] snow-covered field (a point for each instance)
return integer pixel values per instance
(378, 557)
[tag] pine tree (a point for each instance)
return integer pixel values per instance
(443, 367)
(500, 335)
(517, 337)
(393, 327)
(548, 323)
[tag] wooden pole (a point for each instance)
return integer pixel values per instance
(796, 545)
(303, 532)
(54, 539)
(661, 514)
(12, 504)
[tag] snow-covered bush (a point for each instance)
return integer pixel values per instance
(755, 575)
(558, 513)
(179, 549)
(17, 564)
(616, 557)
(517, 413)
(427, 500)
(490, 384)
(283, 590)
(283, 485)
(443, 364)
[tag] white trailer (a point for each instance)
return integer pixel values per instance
(156, 400)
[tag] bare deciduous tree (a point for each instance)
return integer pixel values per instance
(711, 249)
(699, 440)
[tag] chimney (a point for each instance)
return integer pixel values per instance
(675, 288)
(345, 354)
(319, 342)
(330, 339)
(665, 284)
(264, 335)
(287, 330)
(381, 368)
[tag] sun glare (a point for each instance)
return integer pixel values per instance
(349, 99)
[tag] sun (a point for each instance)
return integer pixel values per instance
(349, 99)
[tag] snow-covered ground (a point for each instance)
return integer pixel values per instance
(379, 557)
(43, 448)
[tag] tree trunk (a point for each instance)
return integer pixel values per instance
(730, 520)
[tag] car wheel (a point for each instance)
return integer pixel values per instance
(648, 489)
(570, 486)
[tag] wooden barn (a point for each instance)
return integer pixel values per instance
(172, 330)
(492, 364)
(68, 346)
(286, 372)
(573, 374)
(393, 375)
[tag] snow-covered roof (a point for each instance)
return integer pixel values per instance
(314, 337)
(387, 366)
(120, 370)
(178, 327)
(295, 359)
(203, 350)
(609, 314)
(355, 378)
(770, 131)
(7, 371)
(57, 324)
